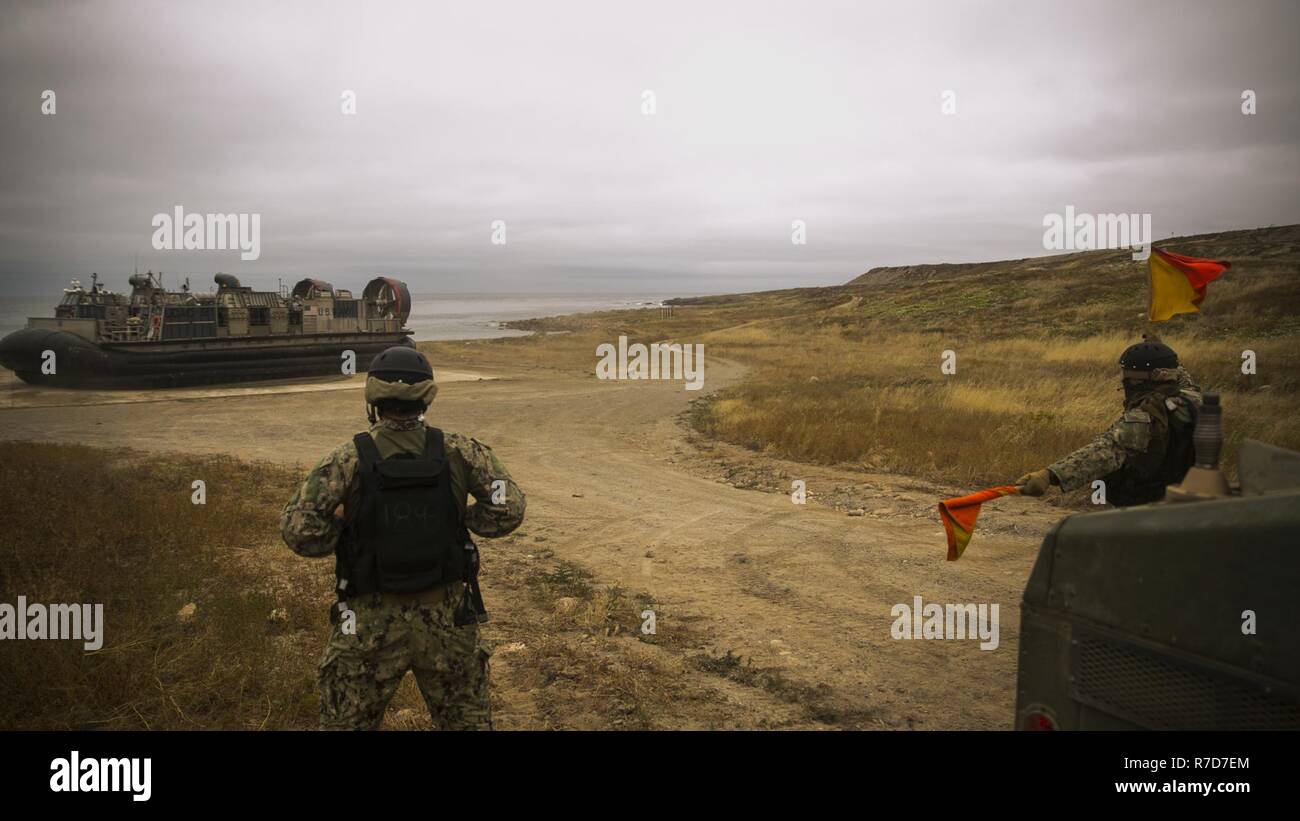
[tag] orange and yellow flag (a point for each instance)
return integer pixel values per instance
(1178, 283)
(959, 515)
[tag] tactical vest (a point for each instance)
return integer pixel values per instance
(1165, 462)
(408, 534)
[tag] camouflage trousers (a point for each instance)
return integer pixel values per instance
(360, 671)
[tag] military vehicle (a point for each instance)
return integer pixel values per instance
(153, 337)
(1181, 614)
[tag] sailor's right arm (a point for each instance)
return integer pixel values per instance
(499, 503)
(308, 523)
(1110, 451)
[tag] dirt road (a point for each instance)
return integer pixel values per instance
(802, 593)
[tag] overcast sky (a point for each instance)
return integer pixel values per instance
(531, 113)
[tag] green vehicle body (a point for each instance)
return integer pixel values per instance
(1142, 618)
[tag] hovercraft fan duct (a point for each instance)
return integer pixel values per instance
(387, 298)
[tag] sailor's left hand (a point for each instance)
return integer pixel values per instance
(1036, 483)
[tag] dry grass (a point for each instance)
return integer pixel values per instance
(1012, 405)
(114, 527)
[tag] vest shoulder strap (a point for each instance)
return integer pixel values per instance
(367, 451)
(434, 446)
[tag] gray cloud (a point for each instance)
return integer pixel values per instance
(530, 113)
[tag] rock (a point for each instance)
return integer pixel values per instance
(278, 616)
(566, 604)
(187, 612)
(858, 512)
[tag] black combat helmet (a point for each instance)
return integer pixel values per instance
(401, 364)
(1148, 355)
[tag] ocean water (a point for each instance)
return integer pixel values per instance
(479, 316)
(460, 316)
(14, 312)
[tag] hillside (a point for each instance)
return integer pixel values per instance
(850, 375)
(1077, 294)
(1093, 291)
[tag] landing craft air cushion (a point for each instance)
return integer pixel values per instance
(155, 338)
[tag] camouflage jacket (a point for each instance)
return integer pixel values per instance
(308, 523)
(1132, 435)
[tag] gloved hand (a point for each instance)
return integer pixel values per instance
(1036, 483)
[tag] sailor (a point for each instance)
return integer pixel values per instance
(392, 506)
(1149, 447)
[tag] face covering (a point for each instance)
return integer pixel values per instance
(1132, 388)
(1136, 390)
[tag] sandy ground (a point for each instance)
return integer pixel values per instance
(16, 394)
(618, 486)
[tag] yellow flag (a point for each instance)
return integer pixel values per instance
(1178, 282)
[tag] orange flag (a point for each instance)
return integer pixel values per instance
(959, 515)
(1178, 283)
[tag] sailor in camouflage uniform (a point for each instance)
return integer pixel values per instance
(1148, 448)
(400, 611)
